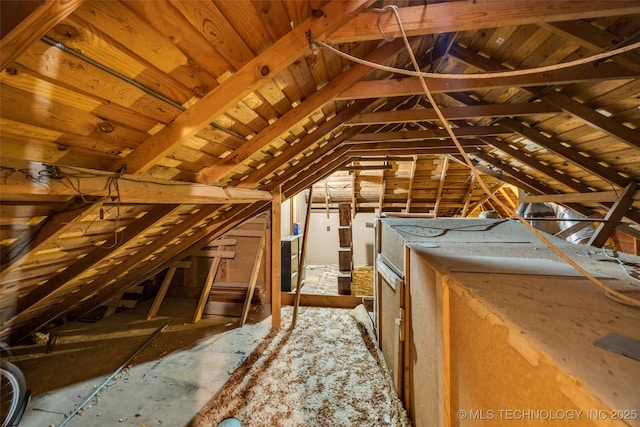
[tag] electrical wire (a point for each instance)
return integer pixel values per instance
(74, 181)
(613, 294)
(487, 75)
(445, 230)
(622, 265)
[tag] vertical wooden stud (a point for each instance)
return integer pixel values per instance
(276, 235)
(161, 292)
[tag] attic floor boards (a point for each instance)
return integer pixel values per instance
(189, 374)
(169, 381)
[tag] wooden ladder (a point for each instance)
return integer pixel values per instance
(345, 251)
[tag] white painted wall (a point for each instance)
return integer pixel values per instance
(323, 243)
(286, 218)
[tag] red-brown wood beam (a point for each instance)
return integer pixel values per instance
(614, 216)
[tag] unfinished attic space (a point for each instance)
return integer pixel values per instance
(320, 213)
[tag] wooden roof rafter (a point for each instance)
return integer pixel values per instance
(302, 111)
(247, 79)
(564, 102)
(553, 144)
(253, 179)
(93, 257)
(187, 246)
(459, 16)
(47, 232)
(33, 26)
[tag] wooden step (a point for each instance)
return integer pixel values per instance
(345, 257)
(344, 283)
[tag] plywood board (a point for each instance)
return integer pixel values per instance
(502, 265)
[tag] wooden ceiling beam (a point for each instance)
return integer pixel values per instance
(295, 170)
(253, 178)
(71, 181)
(418, 145)
(454, 113)
(554, 144)
(533, 163)
(589, 197)
(356, 152)
(436, 18)
(367, 167)
(411, 85)
(593, 38)
(529, 183)
(254, 74)
(329, 164)
(614, 216)
(46, 16)
(414, 135)
(585, 113)
(374, 158)
(592, 118)
(304, 164)
(223, 166)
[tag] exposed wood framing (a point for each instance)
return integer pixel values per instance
(302, 258)
(162, 291)
(411, 85)
(45, 17)
(46, 233)
(614, 216)
(253, 280)
(453, 113)
(315, 101)
(97, 254)
(206, 288)
(154, 105)
(461, 16)
(412, 175)
(443, 177)
(354, 195)
(91, 289)
(383, 188)
(127, 188)
(247, 79)
(591, 197)
(313, 300)
(566, 103)
(276, 235)
(303, 144)
(420, 135)
(594, 38)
